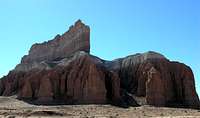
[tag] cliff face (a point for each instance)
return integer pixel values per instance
(63, 71)
(79, 79)
(76, 39)
(159, 81)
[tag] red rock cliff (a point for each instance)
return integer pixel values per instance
(77, 38)
(63, 71)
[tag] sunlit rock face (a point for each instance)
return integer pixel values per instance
(77, 38)
(62, 71)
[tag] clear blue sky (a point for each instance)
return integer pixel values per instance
(118, 27)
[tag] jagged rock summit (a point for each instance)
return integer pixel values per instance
(77, 38)
(62, 71)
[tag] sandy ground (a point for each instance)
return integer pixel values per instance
(12, 108)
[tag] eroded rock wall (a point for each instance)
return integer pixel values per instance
(63, 71)
(77, 38)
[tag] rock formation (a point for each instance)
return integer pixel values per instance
(76, 39)
(62, 71)
(160, 81)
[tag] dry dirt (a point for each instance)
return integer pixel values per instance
(12, 108)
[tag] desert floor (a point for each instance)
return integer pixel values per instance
(12, 108)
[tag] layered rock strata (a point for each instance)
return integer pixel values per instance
(77, 38)
(159, 81)
(63, 71)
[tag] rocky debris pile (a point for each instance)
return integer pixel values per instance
(62, 71)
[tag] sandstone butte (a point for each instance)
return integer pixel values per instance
(62, 71)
